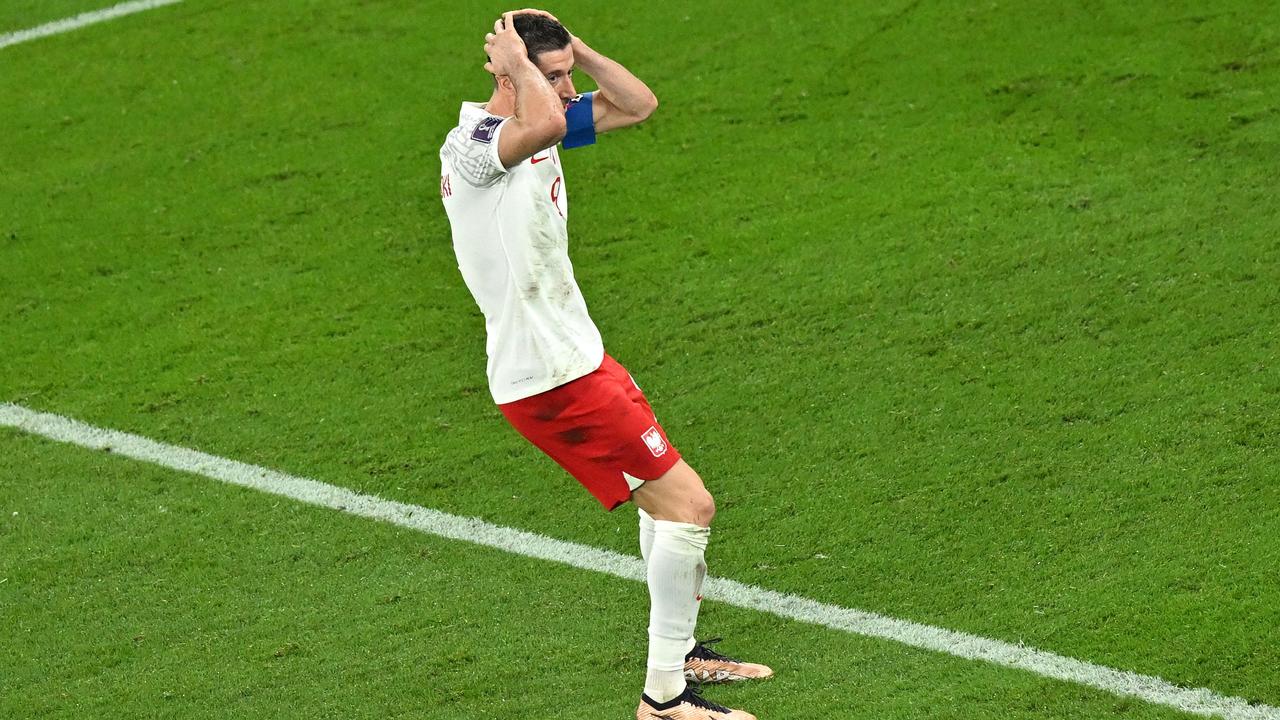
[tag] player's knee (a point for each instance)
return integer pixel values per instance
(702, 506)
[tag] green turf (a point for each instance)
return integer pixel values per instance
(966, 315)
(18, 15)
(162, 595)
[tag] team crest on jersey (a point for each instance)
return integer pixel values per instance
(654, 440)
(485, 130)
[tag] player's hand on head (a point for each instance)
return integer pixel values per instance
(504, 47)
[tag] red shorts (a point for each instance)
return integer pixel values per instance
(601, 429)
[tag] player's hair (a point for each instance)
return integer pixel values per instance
(540, 34)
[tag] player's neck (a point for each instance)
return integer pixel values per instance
(500, 104)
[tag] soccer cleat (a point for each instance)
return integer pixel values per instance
(705, 665)
(689, 705)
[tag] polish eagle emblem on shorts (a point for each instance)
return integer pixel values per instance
(654, 440)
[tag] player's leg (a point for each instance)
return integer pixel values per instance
(681, 510)
(677, 496)
(603, 432)
(685, 497)
(675, 516)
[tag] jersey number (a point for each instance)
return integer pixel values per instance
(555, 195)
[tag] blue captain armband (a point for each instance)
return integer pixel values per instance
(581, 125)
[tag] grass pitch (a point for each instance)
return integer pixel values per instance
(966, 315)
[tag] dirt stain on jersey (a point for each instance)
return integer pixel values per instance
(573, 436)
(542, 258)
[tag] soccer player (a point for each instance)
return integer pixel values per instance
(503, 188)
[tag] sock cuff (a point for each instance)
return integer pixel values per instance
(688, 534)
(660, 706)
(666, 653)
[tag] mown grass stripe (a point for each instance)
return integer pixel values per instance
(1198, 701)
(86, 18)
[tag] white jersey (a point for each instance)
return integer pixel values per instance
(512, 243)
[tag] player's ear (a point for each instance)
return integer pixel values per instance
(504, 82)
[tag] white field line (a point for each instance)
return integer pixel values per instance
(88, 18)
(1198, 701)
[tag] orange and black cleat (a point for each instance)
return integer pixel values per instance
(689, 705)
(704, 665)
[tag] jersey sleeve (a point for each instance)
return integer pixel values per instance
(473, 150)
(580, 123)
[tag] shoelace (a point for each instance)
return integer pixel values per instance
(703, 651)
(693, 696)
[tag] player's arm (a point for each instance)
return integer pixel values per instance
(539, 120)
(622, 99)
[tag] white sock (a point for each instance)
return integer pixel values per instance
(646, 534)
(677, 566)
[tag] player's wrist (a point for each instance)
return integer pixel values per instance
(585, 57)
(522, 70)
